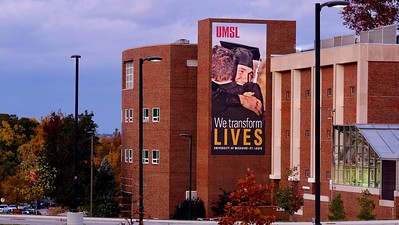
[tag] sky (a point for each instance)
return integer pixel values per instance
(38, 38)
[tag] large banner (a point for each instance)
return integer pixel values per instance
(238, 79)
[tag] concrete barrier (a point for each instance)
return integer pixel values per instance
(74, 218)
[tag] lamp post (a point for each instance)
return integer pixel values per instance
(75, 151)
(141, 205)
(190, 137)
(317, 125)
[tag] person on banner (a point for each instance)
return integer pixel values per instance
(228, 97)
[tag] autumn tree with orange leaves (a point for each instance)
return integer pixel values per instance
(248, 197)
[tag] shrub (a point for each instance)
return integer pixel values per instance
(366, 206)
(247, 198)
(336, 209)
(197, 210)
(289, 198)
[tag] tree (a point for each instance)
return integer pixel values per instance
(106, 189)
(336, 209)
(197, 210)
(249, 196)
(364, 15)
(289, 198)
(218, 206)
(59, 154)
(367, 206)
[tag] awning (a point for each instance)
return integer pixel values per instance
(383, 138)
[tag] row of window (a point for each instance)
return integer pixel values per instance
(146, 158)
(146, 115)
(352, 90)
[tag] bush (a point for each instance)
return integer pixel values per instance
(289, 198)
(366, 206)
(336, 209)
(246, 201)
(197, 210)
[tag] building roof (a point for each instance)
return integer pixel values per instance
(383, 138)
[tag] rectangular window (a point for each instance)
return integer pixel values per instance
(145, 156)
(328, 175)
(126, 155)
(307, 133)
(155, 114)
(307, 94)
(155, 156)
(352, 90)
(307, 173)
(146, 116)
(126, 115)
(329, 92)
(287, 133)
(329, 134)
(130, 155)
(288, 95)
(129, 75)
(130, 115)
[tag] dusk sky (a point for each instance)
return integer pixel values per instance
(38, 38)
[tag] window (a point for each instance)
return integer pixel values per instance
(352, 90)
(146, 116)
(328, 175)
(126, 115)
(129, 75)
(329, 134)
(287, 133)
(288, 95)
(307, 173)
(155, 156)
(155, 115)
(130, 155)
(307, 133)
(329, 92)
(126, 155)
(130, 115)
(145, 156)
(307, 94)
(355, 162)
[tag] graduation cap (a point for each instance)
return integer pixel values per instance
(241, 51)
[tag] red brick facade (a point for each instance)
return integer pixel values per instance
(169, 85)
(354, 90)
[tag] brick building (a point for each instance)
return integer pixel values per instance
(359, 102)
(169, 102)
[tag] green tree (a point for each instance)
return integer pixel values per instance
(367, 206)
(364, 15)
(336, 209)
(105, 201)
(289, 198)
(197, 210)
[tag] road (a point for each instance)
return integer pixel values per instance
(56, 220)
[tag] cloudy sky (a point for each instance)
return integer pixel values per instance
(38, 38)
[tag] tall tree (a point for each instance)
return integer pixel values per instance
(59, 138)
(106, 189)
(364, 15)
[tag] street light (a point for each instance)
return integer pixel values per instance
(141, 205)
(190, 137)
(317, 125)
(75, 151)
